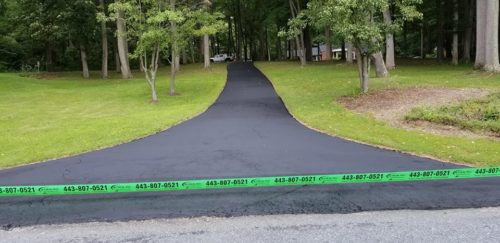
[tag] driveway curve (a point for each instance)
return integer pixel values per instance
(247, 132)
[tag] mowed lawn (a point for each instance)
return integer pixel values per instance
(64, 114)
(310, 94)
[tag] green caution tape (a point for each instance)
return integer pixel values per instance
(184, 185)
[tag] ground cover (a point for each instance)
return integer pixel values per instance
(482, 114)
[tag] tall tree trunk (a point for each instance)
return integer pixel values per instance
(390, 61)
(122, 45)
(491, 56)
(380, 67)
(104, 41)
(85, 66)
(364, 70)
(299, 39)
(117, 60)
(454, 51)
(308, 44)
(480, 34)
(349, 57)
(328, 44)
(422, 48)
(268, 46)
(343, 55)
(172, 75)
(206, 41)
(177, 61)
(206, 51)
(173, 69)
(469, 19)
(230, 48)
(440, 30)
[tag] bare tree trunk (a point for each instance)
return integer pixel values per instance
(491, 52)
(480, 34)
(172, 74)
(151, 70)
(380, 67)
(359, 61)
(184, 56)
(177, 62)
(122, 45)
(206, 40)
(349, 58)
(206, 51)
(389, 42)
(104, 41)
(343, 55)
(422, 49)
(299, 39)
(440, 30)
(117, 61)
(364, 70)
(454, 51)
(366, 73)
(173, 60)
(328, 44)
(85, 66)
(469, 15)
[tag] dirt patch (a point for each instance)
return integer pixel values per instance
(391, 105)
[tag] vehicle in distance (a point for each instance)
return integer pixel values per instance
(221, 58)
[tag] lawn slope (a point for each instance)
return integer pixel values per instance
(311, 94)
(64, 114)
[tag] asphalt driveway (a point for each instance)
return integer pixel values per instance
(247, 132)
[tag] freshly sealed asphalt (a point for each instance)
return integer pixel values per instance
(247, 132)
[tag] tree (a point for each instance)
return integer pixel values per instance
(358, 22)
(487, 36)
(104, 39)
(206, 40)
(328, 44)
(80, 24)
(296, 30)
(205, 24)
(41, 19)
(469, 19)
(118, 15)
(389, 41)
(454, 51)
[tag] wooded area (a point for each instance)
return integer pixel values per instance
(59, 35)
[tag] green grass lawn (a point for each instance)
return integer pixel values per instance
(477, 115)
(310, 94)
(49, 118)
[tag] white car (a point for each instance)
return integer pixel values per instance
(221, 58)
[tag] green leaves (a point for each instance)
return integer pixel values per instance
(359, 21)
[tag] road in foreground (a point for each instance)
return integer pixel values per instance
(459, 225)
(247, 133)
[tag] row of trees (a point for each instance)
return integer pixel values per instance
(145, 34)
(67, 35)
(370, 27)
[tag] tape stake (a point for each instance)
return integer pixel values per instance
(186, 185)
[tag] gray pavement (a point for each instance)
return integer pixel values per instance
(247, 132)
(462, 225)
